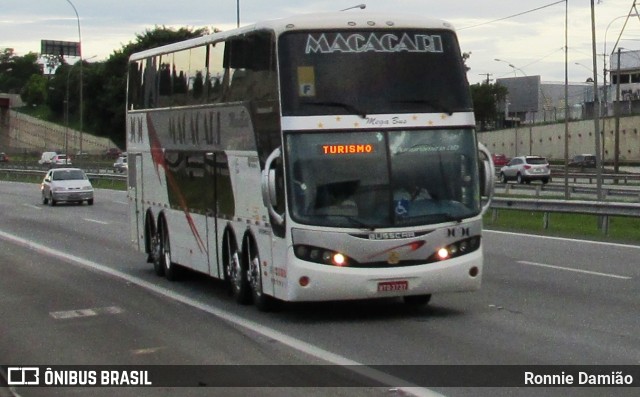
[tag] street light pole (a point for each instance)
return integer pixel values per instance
(360, 6)
(596, 122)
(238, 13)
(81, 74)
(511, 66)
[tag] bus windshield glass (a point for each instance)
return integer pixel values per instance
(372, 72)
(382, 178)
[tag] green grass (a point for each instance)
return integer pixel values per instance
(43, 112)
(621, 229)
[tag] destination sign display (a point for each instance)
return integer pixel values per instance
(347, 149)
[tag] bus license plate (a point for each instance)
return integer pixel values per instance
(391, 286)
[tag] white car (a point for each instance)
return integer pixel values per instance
(526, 169)
(121, 164)
(60, 159)
(46, 158)
(66, 184)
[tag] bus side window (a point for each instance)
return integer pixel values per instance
(217, 74)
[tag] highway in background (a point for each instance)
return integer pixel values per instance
(544, 301)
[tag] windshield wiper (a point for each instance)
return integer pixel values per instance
(348, 107)
(353, 220)
(437, 105)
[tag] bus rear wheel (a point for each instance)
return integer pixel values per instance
(156, 252)
(171, 270)
(236, 272)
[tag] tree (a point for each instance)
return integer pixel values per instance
(35, 91)
(486, 97)
(105, 89)
(15, 71)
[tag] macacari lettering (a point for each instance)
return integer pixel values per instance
(373, 42)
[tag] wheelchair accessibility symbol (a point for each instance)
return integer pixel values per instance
(402, 208)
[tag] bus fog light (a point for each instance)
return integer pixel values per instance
(443, 253)
(303, 281)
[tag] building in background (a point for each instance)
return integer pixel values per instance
(629, 71)
(531, 101)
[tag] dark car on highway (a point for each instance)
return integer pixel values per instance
(112, 153)
(583, 161)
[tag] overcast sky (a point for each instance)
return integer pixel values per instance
(533, 42)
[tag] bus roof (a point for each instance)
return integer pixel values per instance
(333, 20)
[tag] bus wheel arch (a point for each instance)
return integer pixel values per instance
(251, 258)
(235, 271)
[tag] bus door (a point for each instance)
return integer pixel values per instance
(211, 211)
(136, 195)
(273, 197)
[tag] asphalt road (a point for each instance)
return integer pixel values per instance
(544, 301)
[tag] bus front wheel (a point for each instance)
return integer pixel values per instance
(262, 301)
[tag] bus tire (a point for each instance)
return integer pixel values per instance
(156, 252)
(236, 272)
(263, 302)
(171, 270)
(150, 238)
(417, 300)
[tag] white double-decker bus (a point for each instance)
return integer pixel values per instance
(321, 157)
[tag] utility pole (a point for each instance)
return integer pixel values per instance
(616, 109)
(488, 80)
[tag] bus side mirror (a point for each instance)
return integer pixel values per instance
(269, 188)
(487, 176)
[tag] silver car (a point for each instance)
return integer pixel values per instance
(121, 164)
(66, 184)
(526, 169)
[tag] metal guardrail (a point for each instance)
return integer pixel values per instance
(592, 177)
(607, 190)
(603, 209)
(41, 173)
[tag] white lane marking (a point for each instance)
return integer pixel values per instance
(121, 202)
(32, 206)
(96, 221)
(569, 269)
(68, 314)
(573, 240)
(261, 329)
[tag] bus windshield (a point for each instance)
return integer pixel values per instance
(372, 72)
(382, 178)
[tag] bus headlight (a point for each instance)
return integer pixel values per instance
(443, 253)
(456, 249)
(322, 255)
